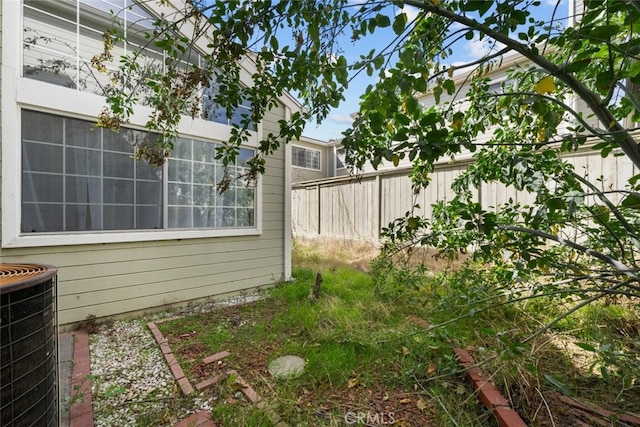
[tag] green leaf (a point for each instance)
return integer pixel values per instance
(412, 105)
(559, 385)
(450, 86)
(382, 21)
(400, 23)
(482, 6)
(437, 93)
(586, 346)
(413, 223)
(341, 71)
(273, 41)
(378, 62)
(631, 201)
(604, 32)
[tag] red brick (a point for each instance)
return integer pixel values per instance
(199, 419)
(81, 413)
(507, 417)
(81, 351)
(492, 397)
(81, 369)
(156, 332)
(82, 340)
(251, 394)
(185, 385)
(83, 420)
(237, 378)
(170, 358)
(81, 408)
(215, 357)
(475, 376)
(463, 356)
(632, 419)
(209, 382)
(177, 371)
(164, 346)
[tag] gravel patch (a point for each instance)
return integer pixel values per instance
(131, 382)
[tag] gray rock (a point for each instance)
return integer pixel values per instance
(287, 367)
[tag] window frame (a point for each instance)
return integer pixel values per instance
(24, 93)
(306, 149)
(344, 166)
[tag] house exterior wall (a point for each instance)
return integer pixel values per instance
(143, 272)
(110, 279)
(308, 174)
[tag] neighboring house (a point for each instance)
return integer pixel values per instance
(309, 159)
(313, 159)
(358, 208)
(126, 237)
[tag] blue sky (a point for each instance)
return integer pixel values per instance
(339, 119)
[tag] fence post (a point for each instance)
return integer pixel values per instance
(379, 207)
(319, 210)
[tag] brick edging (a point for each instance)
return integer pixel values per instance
(176, 370)
(81, 412)
(488, 392)
(246, 389)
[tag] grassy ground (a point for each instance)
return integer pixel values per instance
(377, 345)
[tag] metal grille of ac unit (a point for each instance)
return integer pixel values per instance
(28, 346)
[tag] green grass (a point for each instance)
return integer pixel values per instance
(365, 349)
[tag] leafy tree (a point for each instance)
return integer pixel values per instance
(576, 237)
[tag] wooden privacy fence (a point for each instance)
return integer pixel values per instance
(358, 208)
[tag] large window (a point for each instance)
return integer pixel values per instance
(76, 177)
(305, 158)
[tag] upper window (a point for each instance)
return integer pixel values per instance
(76, 177)
(305, 158)
(214, 112)
(341, 157)
(61, 37)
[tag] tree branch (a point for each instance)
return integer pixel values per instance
(620, 267)
(626, 142)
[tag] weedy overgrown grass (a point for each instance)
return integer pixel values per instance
(380, 338)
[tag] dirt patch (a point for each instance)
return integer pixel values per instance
(359, 254)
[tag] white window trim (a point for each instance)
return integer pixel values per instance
(18, 93)
(308, 149)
